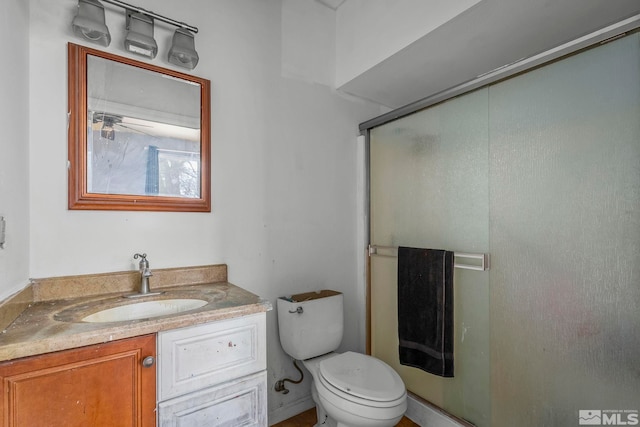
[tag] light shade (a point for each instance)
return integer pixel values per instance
(139, 38)
(89, 22)
(183, 49)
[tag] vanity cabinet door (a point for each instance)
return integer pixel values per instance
(99, 385)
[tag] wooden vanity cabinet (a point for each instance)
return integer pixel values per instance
(103, 385)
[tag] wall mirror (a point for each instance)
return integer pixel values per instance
(138, 135)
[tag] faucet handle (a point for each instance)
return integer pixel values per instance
(143, 260)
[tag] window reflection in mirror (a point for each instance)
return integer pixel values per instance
(143, 145)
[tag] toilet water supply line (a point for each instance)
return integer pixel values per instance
(280, 383)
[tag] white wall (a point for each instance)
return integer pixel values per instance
(370, 31)
(308, 42)
(283, 167)
(14, 145)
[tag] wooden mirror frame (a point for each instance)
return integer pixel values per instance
(79, 197)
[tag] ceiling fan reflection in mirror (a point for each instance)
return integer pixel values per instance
(108, 123)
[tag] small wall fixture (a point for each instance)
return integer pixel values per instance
(183, 49)
(89, 24)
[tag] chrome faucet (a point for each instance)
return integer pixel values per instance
(145, 273)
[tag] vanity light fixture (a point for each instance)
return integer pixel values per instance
(89, 24)
(139, 38)
(183, 49)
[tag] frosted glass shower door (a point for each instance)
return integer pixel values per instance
(429, 189)
(565, 238)
(542, 171)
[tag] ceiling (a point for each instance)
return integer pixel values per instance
(487, 36)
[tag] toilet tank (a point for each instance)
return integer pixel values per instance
(310, 324)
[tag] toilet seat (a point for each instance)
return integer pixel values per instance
(362, 379)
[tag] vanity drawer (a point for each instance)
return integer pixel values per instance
(205, 355)
(241, 402)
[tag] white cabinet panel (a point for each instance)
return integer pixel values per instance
(201, 356)
(235, 403)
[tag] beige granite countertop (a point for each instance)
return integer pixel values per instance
(51, 315)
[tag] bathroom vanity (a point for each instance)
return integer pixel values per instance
(201, 367)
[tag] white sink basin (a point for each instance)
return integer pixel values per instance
(144, 310)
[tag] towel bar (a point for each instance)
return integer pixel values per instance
(392, 251)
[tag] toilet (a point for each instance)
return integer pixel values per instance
(349, 389)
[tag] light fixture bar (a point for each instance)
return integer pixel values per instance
(152, 14)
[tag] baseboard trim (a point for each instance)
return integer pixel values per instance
(291, 409)
(427, 414)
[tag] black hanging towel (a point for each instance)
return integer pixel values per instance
(425, 309)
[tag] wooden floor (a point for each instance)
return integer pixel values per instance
(308, 419)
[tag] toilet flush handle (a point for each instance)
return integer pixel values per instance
(298, 310)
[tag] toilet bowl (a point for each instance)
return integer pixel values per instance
(356, 390)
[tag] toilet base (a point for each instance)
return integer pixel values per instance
(326, 420)
(323, 419)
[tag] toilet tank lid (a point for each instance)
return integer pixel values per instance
(363, 376)
(310, 296)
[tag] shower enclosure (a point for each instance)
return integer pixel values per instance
(542, 171)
